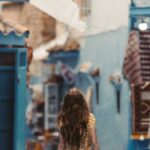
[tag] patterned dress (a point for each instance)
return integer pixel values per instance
(88, 141)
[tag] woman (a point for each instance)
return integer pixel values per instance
(76, 123)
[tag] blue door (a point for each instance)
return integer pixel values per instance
(20, 99)
(7, 75)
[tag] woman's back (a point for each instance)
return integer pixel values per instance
(88, 142)
(77, 125)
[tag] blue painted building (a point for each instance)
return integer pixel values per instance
(13, 64)
(106, 51)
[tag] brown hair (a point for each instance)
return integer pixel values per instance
(73, 118)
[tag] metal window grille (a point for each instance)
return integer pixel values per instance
(7, 59)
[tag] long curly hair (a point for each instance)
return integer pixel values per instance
(73, 118)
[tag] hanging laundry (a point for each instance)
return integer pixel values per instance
(137, 59)
(132, 66)
(144, 37)
(67, 73)
(137, 70)
(141, 108)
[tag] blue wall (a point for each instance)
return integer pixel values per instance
(107, 51)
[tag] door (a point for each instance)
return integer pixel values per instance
(20, 99)
(7, 76)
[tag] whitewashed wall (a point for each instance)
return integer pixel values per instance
(108, 15)
(105, 14)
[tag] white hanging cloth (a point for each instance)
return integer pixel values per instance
(65, 11)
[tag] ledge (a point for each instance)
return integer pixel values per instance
(138, 11)
(62, 56)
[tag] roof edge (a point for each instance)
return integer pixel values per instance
(17, 28)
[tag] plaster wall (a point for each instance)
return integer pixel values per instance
(107, 51)
(108, 15)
